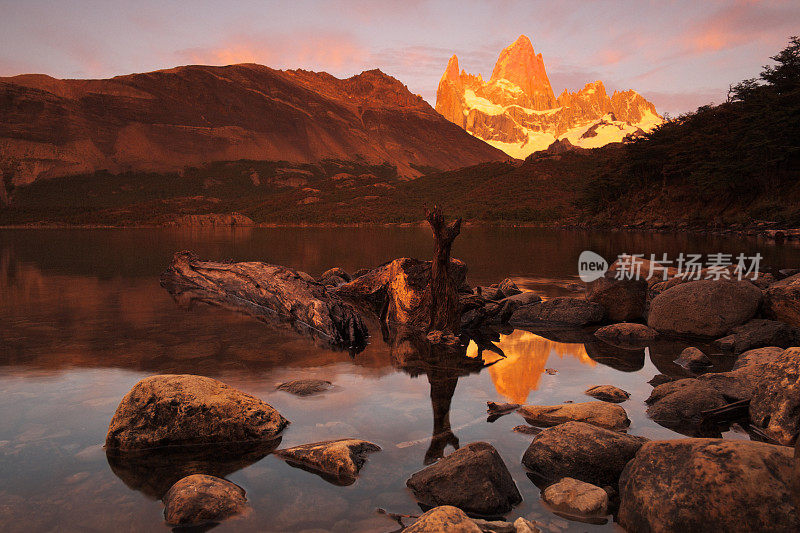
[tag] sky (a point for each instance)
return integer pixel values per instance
(678, 54)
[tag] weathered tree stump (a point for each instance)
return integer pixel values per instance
(440, 307)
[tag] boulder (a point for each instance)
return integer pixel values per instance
(473, 478)
(693, 359)
(758, 333)
(622, 299)
(626, 333)
(775, 405)
(601, 414)
(577, 497)
(678, 405)
(581, 451)
(200, 499)
(337, 461)
(443, 518)
(740, 383)
(169, 410)
(561, 310)
(704, 308)
(305, 387)
(782, 300)
(509, 288)
(608, 393)
(708, 485)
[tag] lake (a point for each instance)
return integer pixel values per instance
(83, 318)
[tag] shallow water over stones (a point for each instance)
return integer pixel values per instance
(83, 318)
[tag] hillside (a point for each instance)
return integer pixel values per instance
(167, 120)
(733, 164)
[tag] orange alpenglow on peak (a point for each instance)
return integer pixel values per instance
(517, 111)
(519, 64)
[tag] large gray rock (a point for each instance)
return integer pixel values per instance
(200, 499)
(444, 518)
(508, 288)
(170, 409)
(758, 333)
(623, 299)
(698, 485)
(581, 451)
(473, 478)
(704, 308)
(782, 300)
(338, 461)
(601, 414)
(561, 310)
(775, 405)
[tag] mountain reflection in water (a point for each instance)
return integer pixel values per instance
(526, 356)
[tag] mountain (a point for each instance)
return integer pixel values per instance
(517, 111)
(167, 120)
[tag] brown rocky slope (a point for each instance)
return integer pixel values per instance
(187, 116)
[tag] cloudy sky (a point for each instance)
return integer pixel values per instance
(678, 54)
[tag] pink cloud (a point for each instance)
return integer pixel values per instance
(312, 50)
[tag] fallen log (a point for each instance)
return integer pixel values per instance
(269, 291)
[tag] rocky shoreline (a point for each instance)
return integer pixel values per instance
(581, 456)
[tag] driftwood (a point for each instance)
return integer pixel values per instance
(269, 291)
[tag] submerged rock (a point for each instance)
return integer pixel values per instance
(305, 387)
(704, 308)
(758, 333)
(626, 333)
(608, 393)
(561, 310)
(693, 359)
(577, 497)
(473, 478)
(679, 405)
(601, 414)
(775, 405)
(172, 409)
(337, 461)
(708, 485)
(200, 499)
(443, 518)
(622, 299)
(782, 300)
(581, 451)
(748, 371)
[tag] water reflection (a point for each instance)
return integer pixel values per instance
(443, 365)
(152, 472)
(526, 355)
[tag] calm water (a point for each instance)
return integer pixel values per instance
(83, 318)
